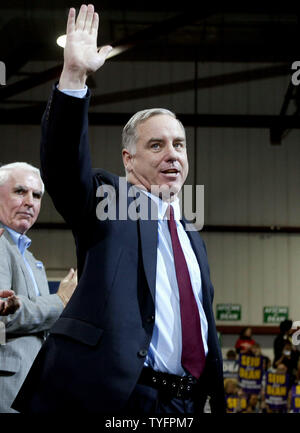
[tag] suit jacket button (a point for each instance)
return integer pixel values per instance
(142, 353)
(150, 319)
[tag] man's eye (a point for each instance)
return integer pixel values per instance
(179, 144)
(19, 191)
(155, 146)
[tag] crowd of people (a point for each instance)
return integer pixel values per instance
(254, 383)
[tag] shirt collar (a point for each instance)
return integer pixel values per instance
(22, 241)
(163, 205)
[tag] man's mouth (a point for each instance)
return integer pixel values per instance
(170, 171)
(25, 214)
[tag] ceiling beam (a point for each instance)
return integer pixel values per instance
(278, 131)
(183, 86)
(274, 229)
(33, 115)
(153, 32)
(158, 90)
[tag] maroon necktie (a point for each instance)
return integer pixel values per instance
(193, 355)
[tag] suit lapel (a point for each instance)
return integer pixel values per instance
(38, 273)
(149, 240)
(200, 253)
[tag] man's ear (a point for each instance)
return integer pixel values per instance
(127, 160)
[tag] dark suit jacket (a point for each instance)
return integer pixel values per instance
(96, 350)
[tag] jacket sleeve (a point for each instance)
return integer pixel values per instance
(65, 156)
(34, 315)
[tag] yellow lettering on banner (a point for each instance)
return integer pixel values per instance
(297, 402)
(231, 403)
(280, 378)
(243, 403)
(276, 378)
(250, 374)
(297, 389)
(256, 361)
(252, 361)
(276, 390)
(244, 360)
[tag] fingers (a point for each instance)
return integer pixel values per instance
(71, 21)
(89, 18)
(69, 276)
(74, 278)
(95, 24)
(9, 306)
(104, 51)
(6, 293)
(13, 303)
(81, 18)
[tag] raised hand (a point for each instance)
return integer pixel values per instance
(81, 54)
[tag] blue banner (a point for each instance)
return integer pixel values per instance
(276, 392)
(250, 373)
(295, 399)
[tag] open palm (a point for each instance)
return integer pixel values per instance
(81, 54)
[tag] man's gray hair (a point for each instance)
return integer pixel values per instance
(6, 170)
(129, 135)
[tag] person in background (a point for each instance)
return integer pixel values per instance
(231, 355)
(236, 399)
(245, 341)
(289, 358)
(284, 336)
(21, 191)
(253, 404)
(255, 349)
(297, 375)
(266, 363)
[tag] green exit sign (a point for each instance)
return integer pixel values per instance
(229, 312)
(275, 314)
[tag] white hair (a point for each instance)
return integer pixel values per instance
(7, 169)
(129, 136)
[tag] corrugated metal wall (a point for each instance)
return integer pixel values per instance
(247, 181)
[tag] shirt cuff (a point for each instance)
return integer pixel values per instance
(77, 93)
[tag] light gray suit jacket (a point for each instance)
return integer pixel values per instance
(26, 328)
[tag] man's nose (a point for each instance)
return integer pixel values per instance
(28, 200)
(171, 154)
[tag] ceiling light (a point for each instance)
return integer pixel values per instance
(61, 41)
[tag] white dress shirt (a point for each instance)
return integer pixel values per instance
(165, 348)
